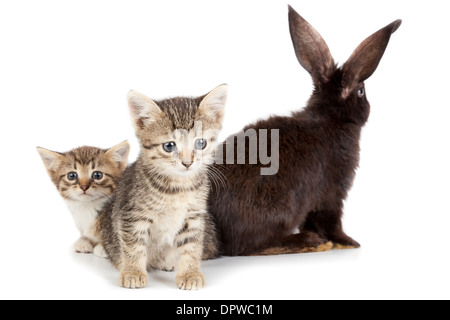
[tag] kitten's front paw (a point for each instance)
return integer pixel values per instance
(100, 252)
(191, 281)
(133, 280)
(83, 246)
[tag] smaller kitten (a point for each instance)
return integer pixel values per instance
(86, 177)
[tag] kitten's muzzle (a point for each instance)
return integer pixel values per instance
(187, 164)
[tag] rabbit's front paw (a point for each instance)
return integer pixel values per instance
(345, 242)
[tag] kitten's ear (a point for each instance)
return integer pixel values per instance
(213, 104)
(119, 154)
(143, 109)
(51, 159)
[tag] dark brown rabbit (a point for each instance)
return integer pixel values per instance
(318, 154)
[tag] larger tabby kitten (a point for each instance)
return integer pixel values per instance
(158, 217)
(86, 177)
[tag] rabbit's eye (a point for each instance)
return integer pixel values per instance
(361, 92)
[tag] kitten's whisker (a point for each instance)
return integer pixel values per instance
(217, 177)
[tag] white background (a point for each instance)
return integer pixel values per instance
(66, 68)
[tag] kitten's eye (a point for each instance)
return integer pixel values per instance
(71, 176)
(97, 175)
(361, 92)
(200, 144)
(169, 146)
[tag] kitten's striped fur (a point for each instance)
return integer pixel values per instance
(158, 217)
(86, 177)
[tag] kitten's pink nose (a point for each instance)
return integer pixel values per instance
(84, 187)
(187, 164)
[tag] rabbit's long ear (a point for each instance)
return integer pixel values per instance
(365, 59)
(311, 50)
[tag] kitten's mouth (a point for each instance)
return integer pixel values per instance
(87, 197)
(186, 171)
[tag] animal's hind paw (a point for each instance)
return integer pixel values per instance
(338, 246)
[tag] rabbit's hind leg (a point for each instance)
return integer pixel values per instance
(303, 242)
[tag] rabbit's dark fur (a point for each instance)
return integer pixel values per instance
(318, 156)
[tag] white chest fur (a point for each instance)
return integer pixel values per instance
(167, 224)
(85, 214)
